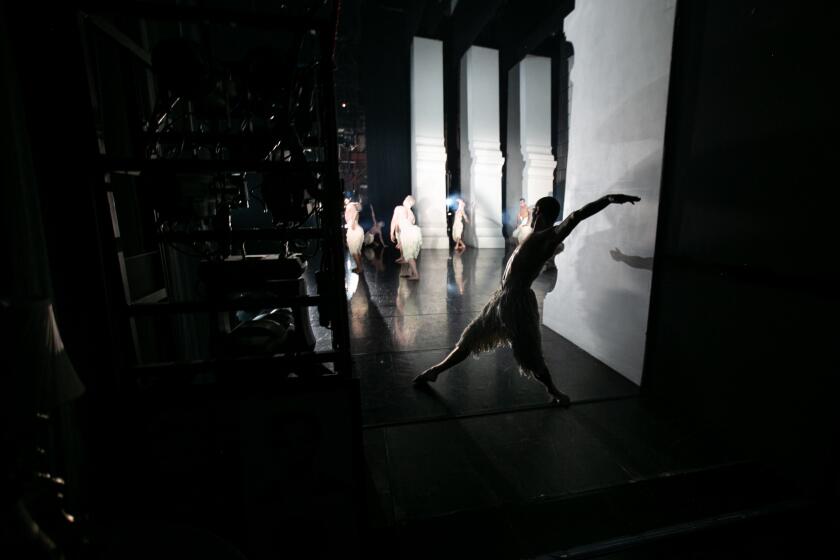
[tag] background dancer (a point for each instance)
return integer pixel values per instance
(523, 228)
(375, 230)
(458, 226)
(404, 230)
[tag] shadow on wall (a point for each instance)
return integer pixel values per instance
(633, 261)
(613, 287)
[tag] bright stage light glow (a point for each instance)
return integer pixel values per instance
(452, 201)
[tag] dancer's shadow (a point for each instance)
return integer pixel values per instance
(633, 261)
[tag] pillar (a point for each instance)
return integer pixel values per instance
(530, 163)
(481, 155)
(428, 154)
(616, 140)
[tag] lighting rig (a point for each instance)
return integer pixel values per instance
(236, 162)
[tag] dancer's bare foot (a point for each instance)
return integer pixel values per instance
(400, 260)
(561, 399)
(414, 277)
(428, 376)
(406, 275)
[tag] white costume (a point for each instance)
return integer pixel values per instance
(355, 233)
(408, 233)
(458, 225)
(523, 230)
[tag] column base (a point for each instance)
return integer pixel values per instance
(431, 241)
(489, 242)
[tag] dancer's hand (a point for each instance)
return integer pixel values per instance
(622, 198)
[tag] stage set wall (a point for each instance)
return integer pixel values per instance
(619, 83)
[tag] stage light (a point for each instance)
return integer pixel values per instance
(452, 201)
(343, 105)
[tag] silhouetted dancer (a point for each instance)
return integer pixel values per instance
(512, 317)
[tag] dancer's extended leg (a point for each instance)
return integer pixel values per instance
(526, 344)
(528, 355)
(482, 333)
(543, 376)
(458, 355)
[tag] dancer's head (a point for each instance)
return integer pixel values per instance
(409, 201)
(522, 203)
(461, 204)
(545, 213)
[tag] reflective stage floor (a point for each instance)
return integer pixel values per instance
(399, 327)
(482, 448)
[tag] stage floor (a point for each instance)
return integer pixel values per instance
(399, 327)
(483, 436)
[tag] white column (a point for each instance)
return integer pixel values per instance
(538, 175)
(616, 138)
(530, 169)
(428, 154)
(481, 155)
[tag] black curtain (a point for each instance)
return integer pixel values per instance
(61, 129)
(745, 273)
(26, 270)
(385, 76)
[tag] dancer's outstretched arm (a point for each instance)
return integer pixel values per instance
(564, 228)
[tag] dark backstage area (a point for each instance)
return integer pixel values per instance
(418, 279)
